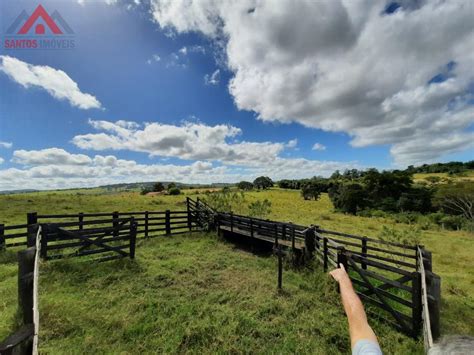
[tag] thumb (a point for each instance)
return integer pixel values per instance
(342, 266)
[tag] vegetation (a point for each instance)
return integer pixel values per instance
(198, 294)
(174, 191)
(263, 182)
(245, 185)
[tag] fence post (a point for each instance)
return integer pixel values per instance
(325, 253)
(341, 257)
(3, 244)
(188, 210)
(364, 252)
(146, 223)
(309, 241)
(293, 247)
(251, 227)
(232, 222)
(433, 285)
(133, 237)
(168, 222)
(26, 265)
(417, 306)
(275, 233)
(280, 267)
(115, 223)
(31, 220)
(81, 220)
(44, 241)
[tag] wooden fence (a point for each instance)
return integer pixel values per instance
(149, 224)
(391, 277)
(386, 275)
(25, 339)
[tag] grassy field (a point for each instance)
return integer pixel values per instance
(445, 177)
(139, 312)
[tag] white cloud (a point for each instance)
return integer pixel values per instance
(154, 58)
(1, 160)
(292, 143)
(56, 82)
(53, 168)
(345, 66)
(319, 146)
(190, 141)
(183, 51)
(56, 156)
(6, 144)
(212, 79)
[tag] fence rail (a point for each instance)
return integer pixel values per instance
(149, 224)
(386, 275)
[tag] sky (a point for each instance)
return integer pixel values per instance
(219, 91)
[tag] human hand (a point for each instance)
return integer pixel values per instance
(339, 274)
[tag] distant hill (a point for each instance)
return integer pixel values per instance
(24, 191)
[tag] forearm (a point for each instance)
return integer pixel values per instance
(358, 325)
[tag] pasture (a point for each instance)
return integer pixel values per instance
(196, 293)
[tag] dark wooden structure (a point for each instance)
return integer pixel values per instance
(394, 280)
(386, 275)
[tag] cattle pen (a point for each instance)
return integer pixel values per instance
(393, 278)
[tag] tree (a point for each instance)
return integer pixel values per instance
(313, 188)
(158, 187)
(245, 185)
(263, 182)
(171, 185)
(457, 199)
(348, 197)
(174, 191)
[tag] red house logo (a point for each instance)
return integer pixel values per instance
(39, 20)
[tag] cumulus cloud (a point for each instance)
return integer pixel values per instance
(319, 146)
(189, 141)
(56, 82)
(346, 66)
(56, 156)
(1, 160)
(6, 144)
(212, 79)
(292, 143)
(53, 168)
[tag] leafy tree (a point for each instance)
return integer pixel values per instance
(245, 185)
(171, 185)
(263, 182)
(158, 187)
(313, 188)
(174, 191)
(348, 197)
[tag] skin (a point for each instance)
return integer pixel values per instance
(359, 328)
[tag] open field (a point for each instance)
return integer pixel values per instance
(445, 177)
(200, 270)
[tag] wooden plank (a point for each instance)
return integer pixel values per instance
(22, 336)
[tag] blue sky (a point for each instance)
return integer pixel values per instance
(141, 63)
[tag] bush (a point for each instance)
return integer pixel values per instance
(259, 209)
(348, 197)
(245, 185)
(174, 191)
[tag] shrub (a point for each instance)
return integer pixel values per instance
(245, 185)
(259, 209)
(174, 191)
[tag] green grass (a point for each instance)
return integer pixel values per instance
(199, 294)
